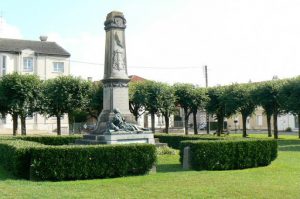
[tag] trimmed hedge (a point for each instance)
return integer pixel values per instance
(51, 140)
(175, 140)
(15, 156)
(86, 162)
(230, 154)
(41, 162)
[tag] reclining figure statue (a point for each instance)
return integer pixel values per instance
(118, 123)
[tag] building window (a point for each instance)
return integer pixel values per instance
(296, 122)
(3, 65)
(27, 64)
(259, 120)
(58, 67)
(29, 116)
(3, 119)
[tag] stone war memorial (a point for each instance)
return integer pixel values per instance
(116, 125)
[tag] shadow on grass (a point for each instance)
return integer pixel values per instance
(166, 168)
(289, 145)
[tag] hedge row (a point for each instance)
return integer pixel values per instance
(51, 140)
(15, 156)
(230, 154)
(37, 161)
(175, 140)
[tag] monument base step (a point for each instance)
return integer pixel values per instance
(120, 138)
(158, 144)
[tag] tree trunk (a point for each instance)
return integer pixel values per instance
(23, 125)
(186, 121)
(167, 123)
(207, 123)
(15, 123)
(269, 125)
(299, 126)
(244, 120)
(275, 125)
(153, 122)
(58, 125)
(195, 123)
(71, 121)
(220, 125)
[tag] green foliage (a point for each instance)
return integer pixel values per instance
(230, 154)
(238, 99)
(64, 94)
(289, 96)
(95, 105)
(86, 162)
(137, 97)
(19, 95)
(165, 150)
(51, 140)
(216, 105)
(15, 156)
(190, 99)
(37, 161)
(175, 140)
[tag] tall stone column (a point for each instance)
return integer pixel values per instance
(115, 81)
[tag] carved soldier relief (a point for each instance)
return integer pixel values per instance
(118, 58)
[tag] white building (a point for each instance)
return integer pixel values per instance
(45, 59)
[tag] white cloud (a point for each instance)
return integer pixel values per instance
(9, 31)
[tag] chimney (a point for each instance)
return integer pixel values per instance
(43, 38)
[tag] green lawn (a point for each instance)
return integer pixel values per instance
(279, 180)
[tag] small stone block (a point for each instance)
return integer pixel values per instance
(186, 158)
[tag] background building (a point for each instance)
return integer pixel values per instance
(45, 59)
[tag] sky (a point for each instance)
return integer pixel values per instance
(169, 40)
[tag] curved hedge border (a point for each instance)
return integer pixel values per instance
(42, 162)
(230, 154)
(175, 140)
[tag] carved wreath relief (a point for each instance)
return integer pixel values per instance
(118, 54)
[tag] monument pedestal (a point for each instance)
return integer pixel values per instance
(120, 138)
(112, 126)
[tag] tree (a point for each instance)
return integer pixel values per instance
(199, 101)
(137, 97)
(167, 101)
(216, 106)
(19, 97)
(95, 105)
(152, 104)
(289, 96)
(63, 95)
(238, 98)
(184, 97)
(266, 95)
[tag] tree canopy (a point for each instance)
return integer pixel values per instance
(65, 94)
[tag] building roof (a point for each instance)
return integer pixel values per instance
(39, 47)
(135, 78)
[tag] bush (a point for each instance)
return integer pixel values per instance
(15, 156)
(230, 154)
(86, 162)
(37, 161)
(165, 150)
(288, 129)
(51, 140)
(174, 140)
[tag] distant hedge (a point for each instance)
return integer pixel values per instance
(175, 140)
(41, 162)
(230, 154)
(51, 140)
